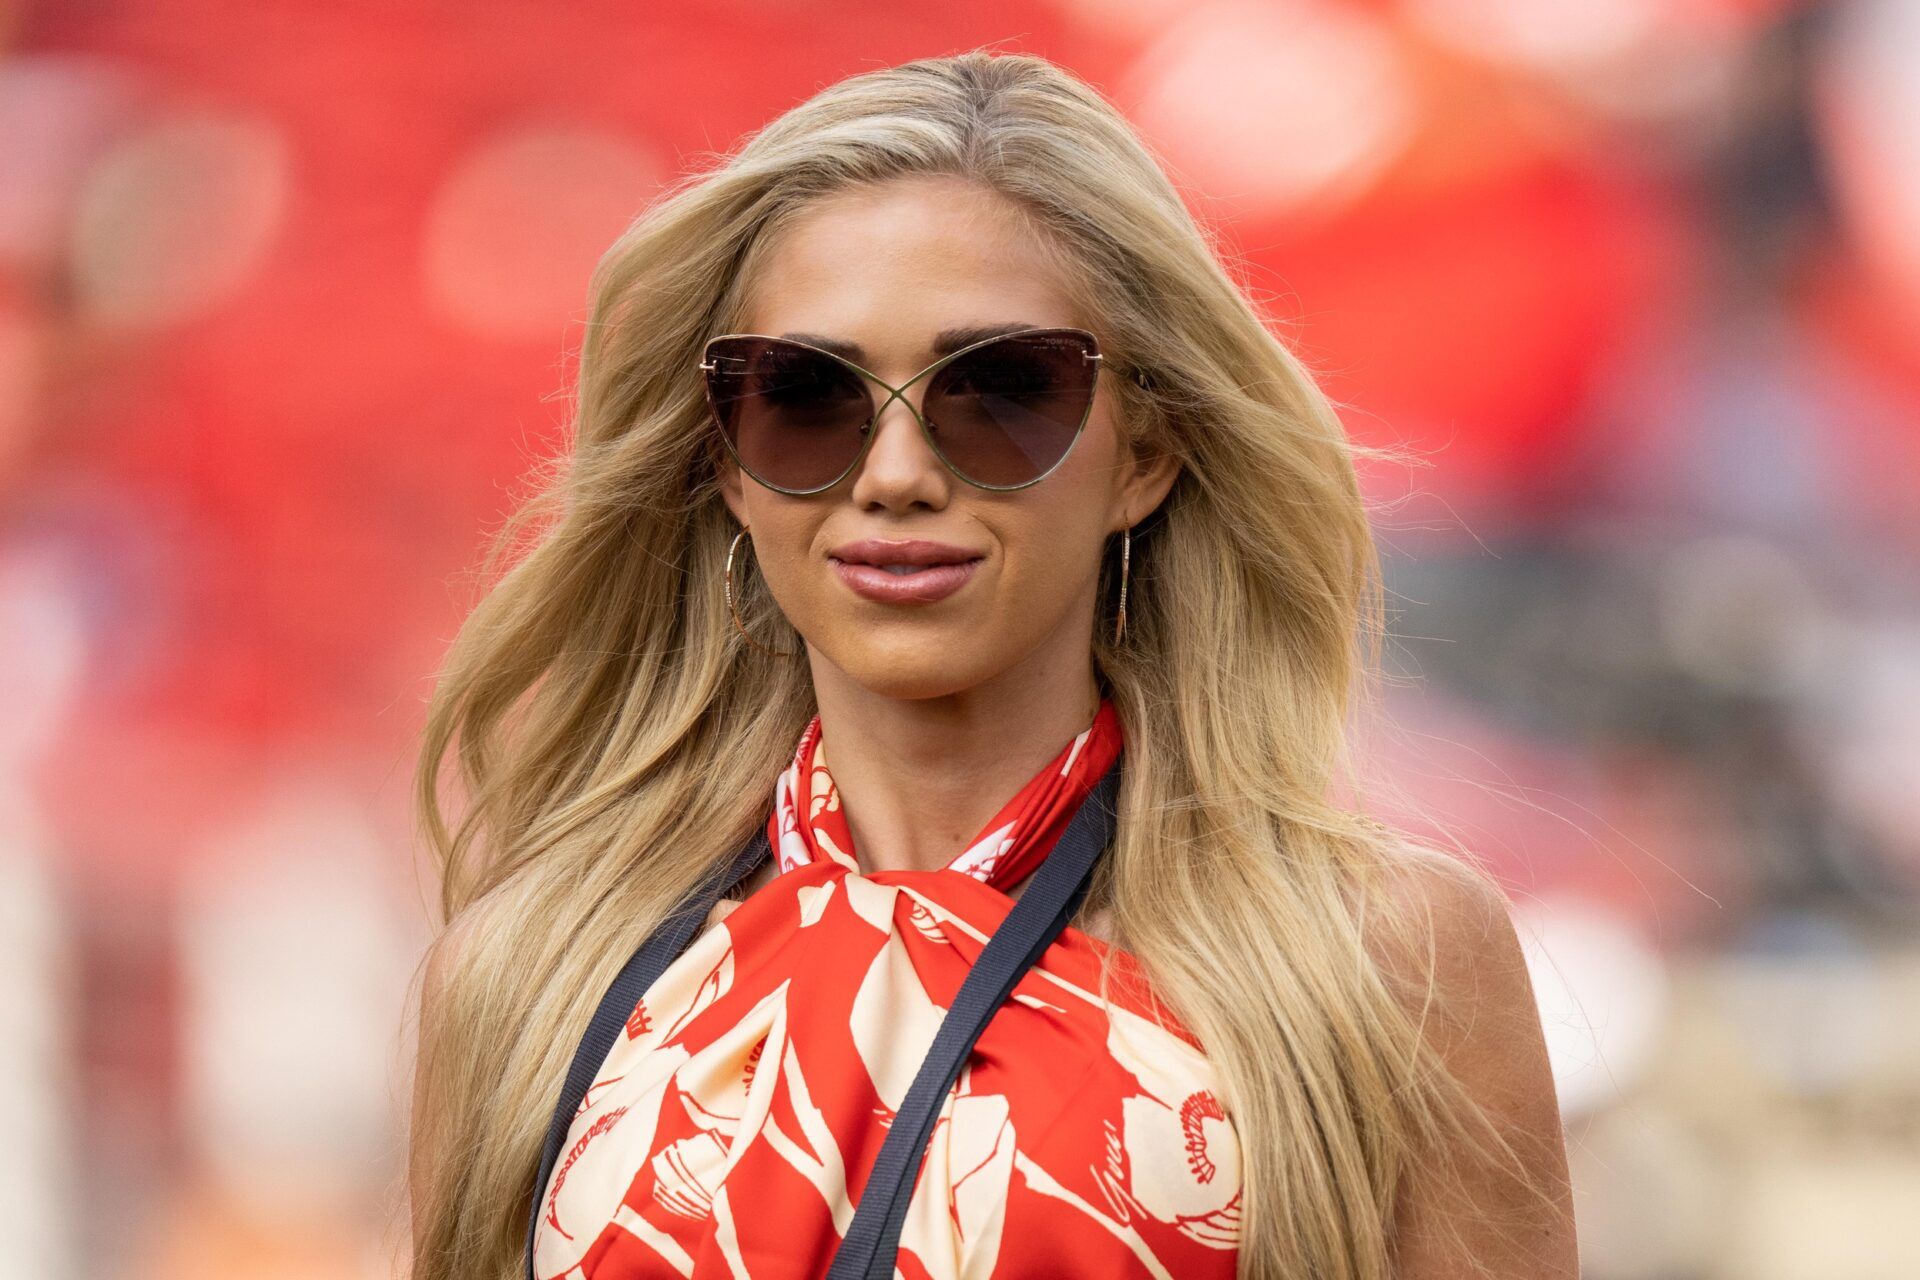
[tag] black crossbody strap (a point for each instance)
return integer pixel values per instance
(873, 1237)
(646, 964)
(1038, 915)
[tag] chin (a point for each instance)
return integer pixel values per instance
(923, 667)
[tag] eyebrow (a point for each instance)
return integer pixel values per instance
(946, 342)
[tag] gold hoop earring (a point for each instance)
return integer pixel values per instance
(1126, 554)
(733, 611)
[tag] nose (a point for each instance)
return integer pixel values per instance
(899, 462)
(897, 432)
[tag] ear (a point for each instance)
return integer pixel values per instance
(732, 490)
(1145, 487)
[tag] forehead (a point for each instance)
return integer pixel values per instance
(893, 272)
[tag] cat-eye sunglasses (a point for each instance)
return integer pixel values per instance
(1001, 413)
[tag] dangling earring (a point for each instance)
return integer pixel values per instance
(1126, 554)
(741, 626)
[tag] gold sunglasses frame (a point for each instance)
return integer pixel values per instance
(1095, 356)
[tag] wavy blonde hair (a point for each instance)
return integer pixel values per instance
(616, 737)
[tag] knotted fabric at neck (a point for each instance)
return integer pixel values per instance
(808, 824)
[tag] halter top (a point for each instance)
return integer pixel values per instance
(730, 1129)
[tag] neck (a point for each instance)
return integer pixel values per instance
(919, 777)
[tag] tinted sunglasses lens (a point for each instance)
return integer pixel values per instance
(793, 416)
(1007, 411)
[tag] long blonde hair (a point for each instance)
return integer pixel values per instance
(616, 737)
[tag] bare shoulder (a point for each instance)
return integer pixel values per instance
(1445, 940)
(1438, 923)
(1443, 937)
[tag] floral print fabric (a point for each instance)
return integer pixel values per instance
(730, 1129)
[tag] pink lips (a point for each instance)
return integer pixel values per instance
(938, 571)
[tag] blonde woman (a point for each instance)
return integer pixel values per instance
(900, 773)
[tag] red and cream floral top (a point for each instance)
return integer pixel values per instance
(730, 1130)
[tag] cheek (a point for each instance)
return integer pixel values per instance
(1049, 565)
(782, 547)
(1044, 566)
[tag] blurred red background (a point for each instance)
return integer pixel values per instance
(288, 301)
